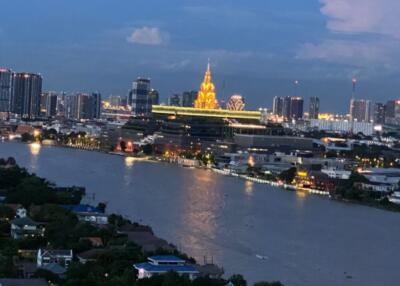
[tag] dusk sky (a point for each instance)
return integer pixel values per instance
(257, 48)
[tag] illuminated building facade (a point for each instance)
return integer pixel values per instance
(236, 102)
(206, 98)
(139, 98)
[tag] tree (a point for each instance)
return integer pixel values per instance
(238, 280)
(288, 175)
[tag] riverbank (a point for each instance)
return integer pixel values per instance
(119, 243)
(232, 220)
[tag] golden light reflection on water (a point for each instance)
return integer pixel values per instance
(201, 210)
(249, 185)
(34, 148)
(129, 161)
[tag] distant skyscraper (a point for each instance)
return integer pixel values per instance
(174, 100)
(288, 107)
(296, 108)
(277, 106)
(95, 103)
(27, 89)
(139, 97)
(360, 110)
(314, 107)
(390, 109)
(188, 98)
(5, 89)
(154, 97)
(115, 100)
(379, 113)
(48, 104)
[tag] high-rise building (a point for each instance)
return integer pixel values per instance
(188, 98)
(288, 107)
(5, 89)
(207, 98)
(314, 107)
(174, 100)
(277, 106)
(296, 108)
(48, 104)
(360, 110)
(83, 106)
(26, 91)
(115, 101)
(379, 113)
(154, 97)
(390, 109)
(95, 103)
(139, 97)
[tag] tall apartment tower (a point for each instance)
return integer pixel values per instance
(360, 110)
(26, 92)
(277, 105)
(139, 97)
(5, 89)
(314, 107)
(296, 108)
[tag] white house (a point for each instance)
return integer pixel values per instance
(25, 227)
(46, 257)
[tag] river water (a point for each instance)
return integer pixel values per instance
(307, 240)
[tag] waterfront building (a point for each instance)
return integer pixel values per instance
(360, 110)
(83, 106)
(314, 107)
(162, 264)
(26, 91)
(188, 98)
(139, 100)
(206, 98)
(95, 105)
(5, 89)
(236, 102)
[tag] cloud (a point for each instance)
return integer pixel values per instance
(364, 35)
(363, 16)
(147, 36)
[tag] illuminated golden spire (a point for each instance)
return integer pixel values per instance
(206, 98)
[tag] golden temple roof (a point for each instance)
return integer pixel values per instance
(206, 98)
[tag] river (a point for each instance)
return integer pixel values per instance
(307, 240)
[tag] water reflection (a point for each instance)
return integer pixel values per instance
(201, 211)
(129, 161)
(34, 149)
(249, 185)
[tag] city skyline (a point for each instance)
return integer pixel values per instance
(317, 43)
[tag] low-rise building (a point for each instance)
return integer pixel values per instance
(26, 227)
(47, 257)
(164, 263)
(88, 213)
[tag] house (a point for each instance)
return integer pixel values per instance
(88, 213)
(26, 227)
(23, 282)
(164, 263)
(46, 257)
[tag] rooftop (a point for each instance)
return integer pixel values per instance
(166, 258)
(148, 267)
